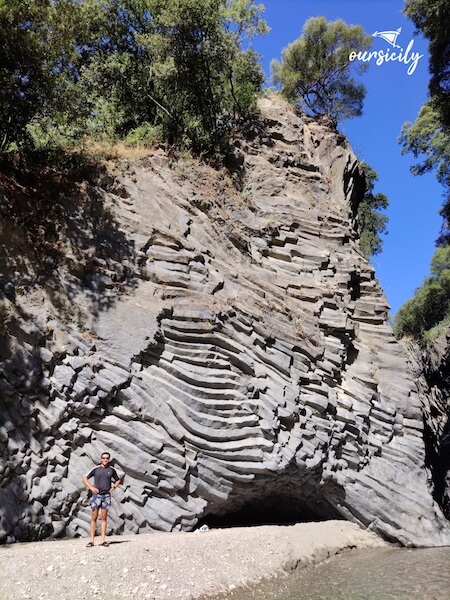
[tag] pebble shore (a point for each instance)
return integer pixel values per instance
(170, 565)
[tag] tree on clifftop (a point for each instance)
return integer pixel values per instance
(182, 71)
(178, 66)
(315, 70)
(36, 39)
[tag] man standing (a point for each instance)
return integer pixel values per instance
(105, 481)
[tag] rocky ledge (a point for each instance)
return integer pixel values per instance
(231, 349)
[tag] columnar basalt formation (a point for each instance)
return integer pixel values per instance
(230, 349)
(431, 363)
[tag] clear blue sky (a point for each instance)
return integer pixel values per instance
(393, 97)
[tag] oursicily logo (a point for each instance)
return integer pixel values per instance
(407, 57)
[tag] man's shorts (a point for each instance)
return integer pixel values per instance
(100, 501)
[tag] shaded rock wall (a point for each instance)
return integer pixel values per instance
(431, 363)
(231, 349)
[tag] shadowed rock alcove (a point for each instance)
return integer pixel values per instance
(273, 510)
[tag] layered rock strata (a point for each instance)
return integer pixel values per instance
(230, 349)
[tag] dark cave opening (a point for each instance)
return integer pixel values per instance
(275, 510)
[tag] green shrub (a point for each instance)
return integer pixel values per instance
(146, 135)
(437, 330)
(429, 308)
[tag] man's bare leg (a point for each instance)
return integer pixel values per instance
(103, 524)
(93, 524)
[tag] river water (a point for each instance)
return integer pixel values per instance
(378, 574)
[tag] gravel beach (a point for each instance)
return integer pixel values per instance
(170, 565)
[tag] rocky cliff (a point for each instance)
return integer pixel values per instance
(431, 363)
(231, 349)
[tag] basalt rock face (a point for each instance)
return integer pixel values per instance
(431, 363)
(230, 349)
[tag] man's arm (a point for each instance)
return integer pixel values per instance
(117, 481)
(87, 483)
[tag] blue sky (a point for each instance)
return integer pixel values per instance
(393, 97)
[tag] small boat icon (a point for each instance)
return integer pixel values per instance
(389, 36)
